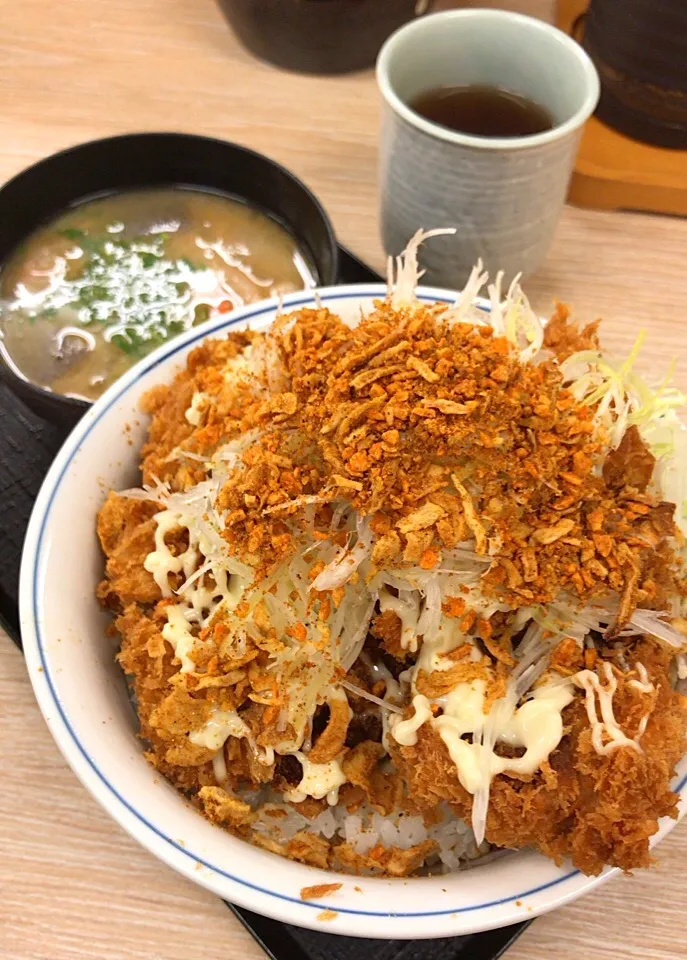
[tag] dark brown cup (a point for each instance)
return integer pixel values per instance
(639, 48)
(317, 36)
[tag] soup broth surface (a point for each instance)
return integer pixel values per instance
(96, 289)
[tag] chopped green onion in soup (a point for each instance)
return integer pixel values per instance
(97, 289)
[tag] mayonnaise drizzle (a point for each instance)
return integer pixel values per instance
(433, 656)
(161, 561)
(219, 766)
(214, 733)
(408, 612)
(607, 725)
(197, 602)
(240, 367)
(176, 631)
(392, 693)
(319, 780)
(681, 662)
(405, 731)
(193, 413)
(644, 684)
(471, 736)
(537, 726)
(221, 725)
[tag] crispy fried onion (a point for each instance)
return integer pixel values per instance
(331, 741)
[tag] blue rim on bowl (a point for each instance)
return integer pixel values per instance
(449, 918)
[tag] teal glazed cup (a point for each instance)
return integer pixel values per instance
(503, 195)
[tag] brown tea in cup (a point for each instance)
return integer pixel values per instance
(483, 111)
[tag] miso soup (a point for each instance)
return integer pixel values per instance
(105, 283)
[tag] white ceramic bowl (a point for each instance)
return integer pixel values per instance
(82, 695)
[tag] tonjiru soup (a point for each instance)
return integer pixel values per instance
(106, 282)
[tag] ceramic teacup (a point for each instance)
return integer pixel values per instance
(503, 195)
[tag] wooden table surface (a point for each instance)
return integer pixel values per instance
(72, 884)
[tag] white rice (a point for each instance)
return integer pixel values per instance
(367, 829)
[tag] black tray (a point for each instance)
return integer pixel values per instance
(27, 447)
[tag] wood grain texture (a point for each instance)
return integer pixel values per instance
(74, 886)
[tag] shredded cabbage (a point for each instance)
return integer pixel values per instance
(346, 562)
(403, 282)
(623, 398)
(392, 707)
(315, 646)
(511, 317)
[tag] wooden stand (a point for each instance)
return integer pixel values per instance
(613, 172)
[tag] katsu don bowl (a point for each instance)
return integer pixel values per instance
(365, 609)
